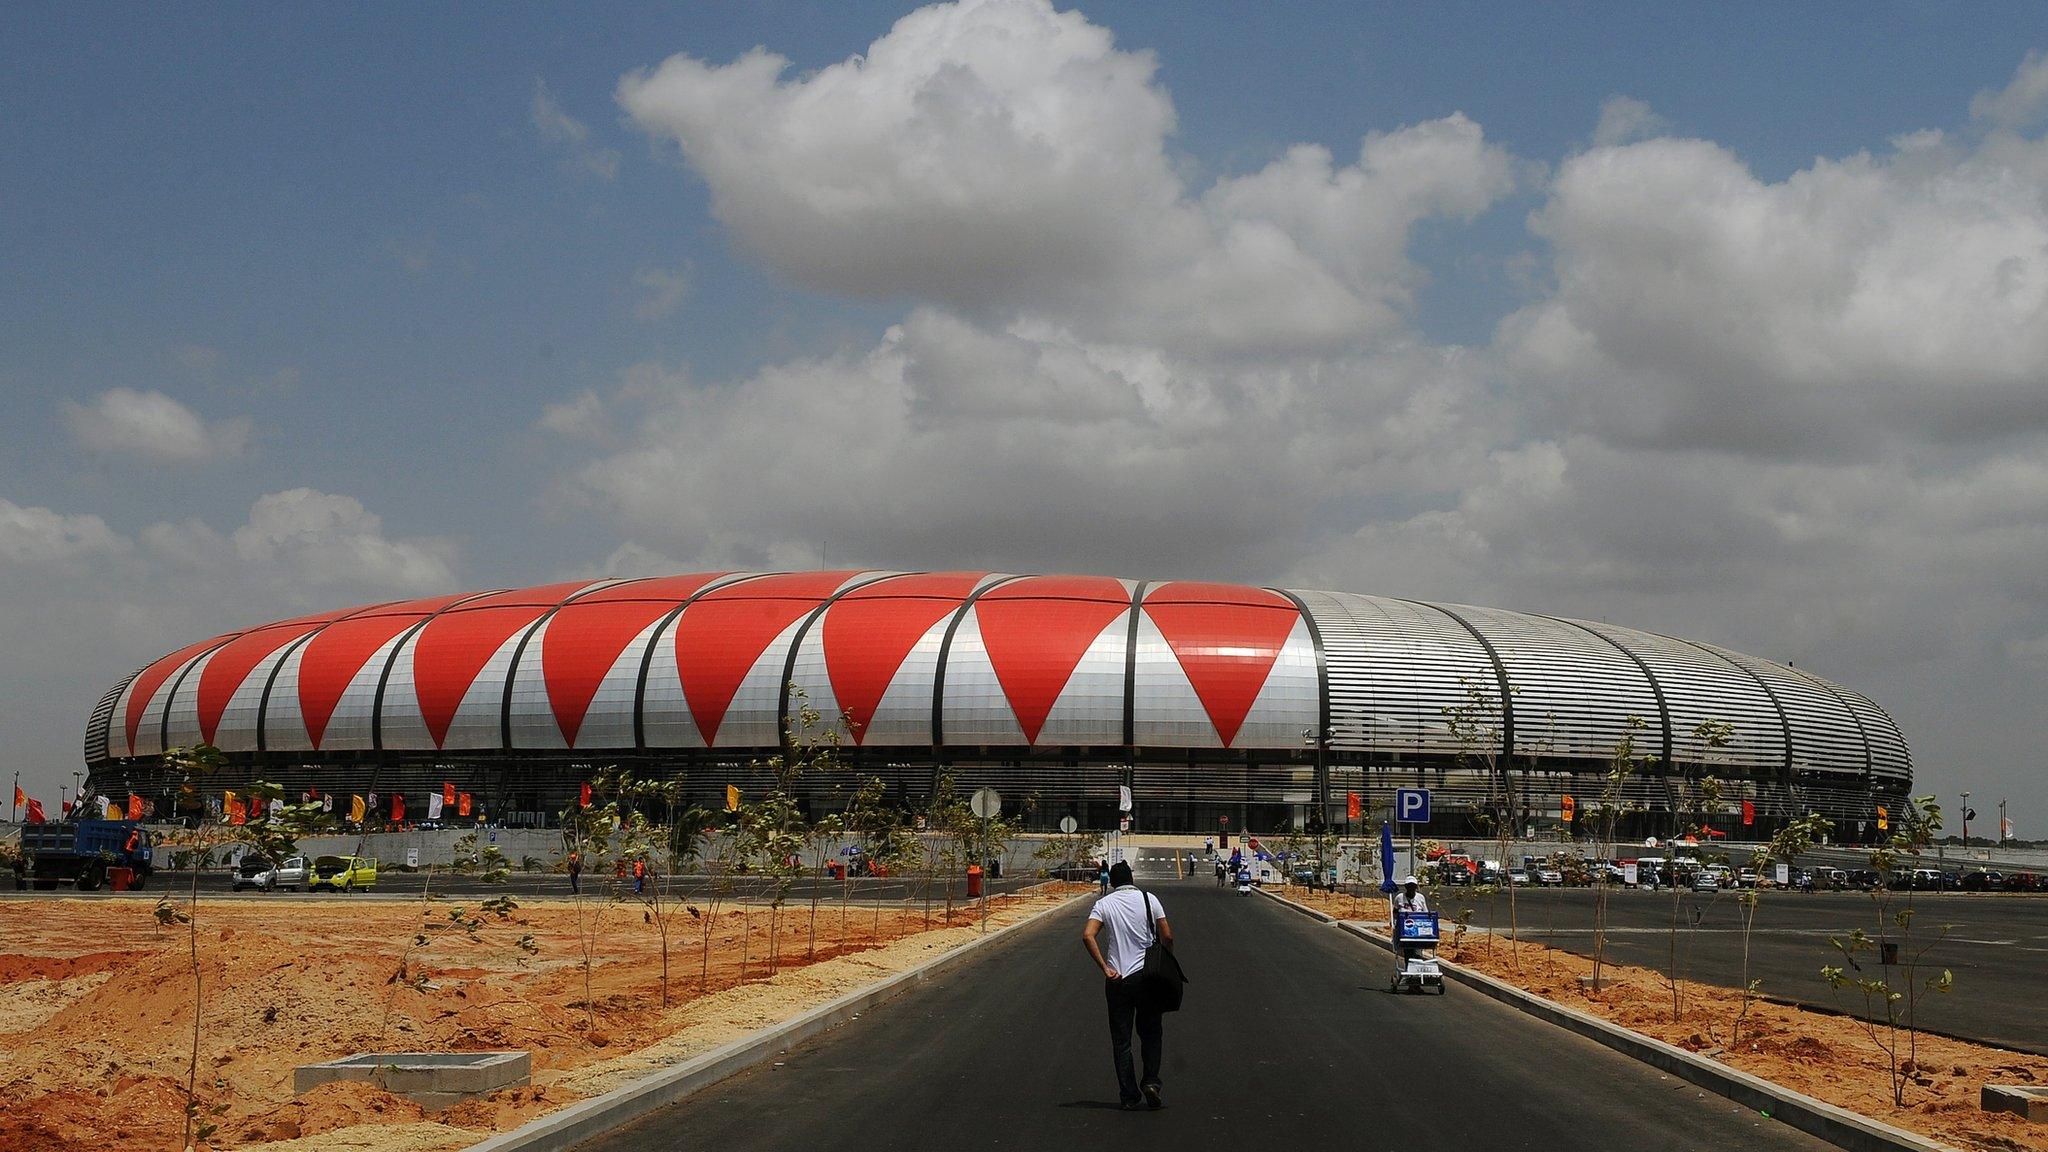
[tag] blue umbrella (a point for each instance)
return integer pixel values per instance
(1386, 858)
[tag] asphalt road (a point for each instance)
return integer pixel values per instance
(1996, 945)
(1288, 1039)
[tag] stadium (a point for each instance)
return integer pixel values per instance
(1218, 706)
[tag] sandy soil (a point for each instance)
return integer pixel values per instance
(1833, 1058)
(96, 1007)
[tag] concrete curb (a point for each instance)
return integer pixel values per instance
(1837, 1126)
(567, 1127)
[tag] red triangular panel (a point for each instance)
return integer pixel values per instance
(332, 659)
(720, 637)
(870, 631)
(1226, 649)
(152, 678)
(453, 649)
(1035, 632)
(582, 644)
(229, 666)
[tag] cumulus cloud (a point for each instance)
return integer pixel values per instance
(153, 426)
(999, 157)
(39, 536)
(2021, 102)
(1859, 300)
(1625, 118)
(319, 538)
(555, 127)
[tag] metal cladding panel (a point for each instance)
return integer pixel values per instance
(1165, 711)
(1035, 632)
(588, 638)
(1825, 739)
(809, 675)
(975, 711)
(143, 701)
(235, 727)
(1089, 710)
(666, 719)
(466, 643)
(1393, 668)
(1891, 759)
(608, 720)
(731, 638)
(228, 672)
(1291, 699)
(351, 726)
(1572, 691)
(478, 719)
(752, 718)
(1700, 687)
(181, 706)
(862, 651)
(529, 714)
(284, 725)
(1225, 640)
(334, 661)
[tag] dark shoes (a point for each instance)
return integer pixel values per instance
(1128, 1106)
(1152, 1099)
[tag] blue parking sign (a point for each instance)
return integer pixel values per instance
(1411, 805)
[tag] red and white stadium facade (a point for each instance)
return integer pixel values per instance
(1206, 698)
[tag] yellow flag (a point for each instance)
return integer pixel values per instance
(732, 798)
(355, 809)
(227, 802)
(1884, 818)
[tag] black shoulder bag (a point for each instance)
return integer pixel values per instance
(1163, 980)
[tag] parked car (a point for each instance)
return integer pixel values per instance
(256, 871)
(342, 874)
(1517, 876)
(1983, 880)
(1706, 880)
(1746, 878)
(1550, 877)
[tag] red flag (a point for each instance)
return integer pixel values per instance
(462, 804)
(134, 806)
(1748, 813)
(1352, 808)
(584, 802)
(21, 798)
(448, 792)
(397, 807)
(67, 807)
(238, 813)
(35, 809)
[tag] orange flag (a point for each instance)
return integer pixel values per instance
(1569, 808)
(1352, 808)
(1884, 818)
(448, 792)
(134, 806)
(462, 804)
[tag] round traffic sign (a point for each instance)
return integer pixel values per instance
(1068, 824)
(987, 803)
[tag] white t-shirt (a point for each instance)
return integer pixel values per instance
(1125, 932)
(1402, 902)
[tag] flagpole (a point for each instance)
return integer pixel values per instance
(14, 799)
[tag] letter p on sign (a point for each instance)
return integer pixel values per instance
(1411, 805)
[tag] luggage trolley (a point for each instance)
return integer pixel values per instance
(1415, 965)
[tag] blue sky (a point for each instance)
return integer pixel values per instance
(424, 268)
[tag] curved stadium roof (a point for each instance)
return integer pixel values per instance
(974, 660)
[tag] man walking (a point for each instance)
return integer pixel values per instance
(1120, 927)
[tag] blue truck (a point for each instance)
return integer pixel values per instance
(84, 852)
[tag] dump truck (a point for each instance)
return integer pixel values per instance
(86, 853)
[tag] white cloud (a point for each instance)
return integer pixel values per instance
(318, 538)
(583, 417)
(1625, 118)
(153, 426)
(661, 292)
(2022, 101)
(1858, 300)
(556, 127)
(38, 536)
(1000, 157)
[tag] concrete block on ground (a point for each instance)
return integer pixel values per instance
(2025, 1099)
(432, 1079)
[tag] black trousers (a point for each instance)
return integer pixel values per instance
(1127, 1006)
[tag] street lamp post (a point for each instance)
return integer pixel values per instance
(1966, 823)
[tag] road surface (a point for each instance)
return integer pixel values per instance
(1288, 1039)
(1997, 946)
